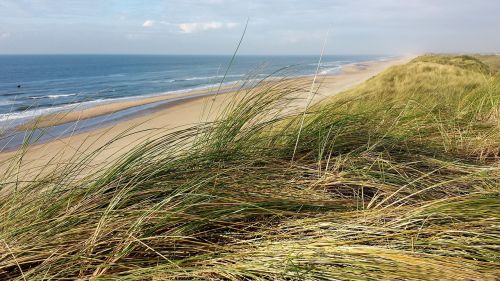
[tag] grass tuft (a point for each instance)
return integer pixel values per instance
(396, 179)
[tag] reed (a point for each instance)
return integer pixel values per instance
(396, 179)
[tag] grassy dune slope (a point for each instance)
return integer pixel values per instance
(397, 179)
(493, 61)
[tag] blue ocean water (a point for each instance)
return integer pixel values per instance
(31, 85)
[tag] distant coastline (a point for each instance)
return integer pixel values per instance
(85, 119)
(53, 84)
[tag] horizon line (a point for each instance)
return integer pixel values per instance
(191, 54)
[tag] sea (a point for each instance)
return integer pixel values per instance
(34, 85)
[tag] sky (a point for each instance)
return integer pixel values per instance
(275, 26)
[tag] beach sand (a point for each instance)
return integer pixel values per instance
(131, 132)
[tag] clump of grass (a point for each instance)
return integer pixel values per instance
(395, 179)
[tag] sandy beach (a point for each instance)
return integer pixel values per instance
(181, 113)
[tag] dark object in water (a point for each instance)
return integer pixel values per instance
(19, 86)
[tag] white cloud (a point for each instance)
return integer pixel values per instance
(4, 35)
(192, 27)
(148, 23)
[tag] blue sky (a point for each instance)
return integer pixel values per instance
(276, 26)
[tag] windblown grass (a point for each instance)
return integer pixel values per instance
(397, 179)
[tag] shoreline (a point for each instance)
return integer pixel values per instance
(64, 127)
(63, 123)
(167, 117)
(59, 118)
(106, 107)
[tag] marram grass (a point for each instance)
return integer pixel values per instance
(396, 179)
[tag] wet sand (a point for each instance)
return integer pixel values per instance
(109, 108)
(131, 132)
